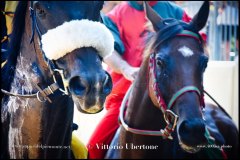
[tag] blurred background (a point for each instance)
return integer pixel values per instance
(222, 28)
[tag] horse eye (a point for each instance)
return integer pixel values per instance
(204, 63)
(100, 59)
(40, 12)
(60, 62)
(204, 66)
(159, 62)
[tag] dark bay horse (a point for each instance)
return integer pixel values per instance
(54, 62)
(168, 94)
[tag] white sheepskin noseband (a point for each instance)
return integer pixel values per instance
(75, 34)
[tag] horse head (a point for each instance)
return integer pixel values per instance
(177, 63)
(75, 42)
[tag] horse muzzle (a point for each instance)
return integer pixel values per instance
(89, 95)
(191, 135)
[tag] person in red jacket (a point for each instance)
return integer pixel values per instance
(127, 22)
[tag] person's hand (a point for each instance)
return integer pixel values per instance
(129, 72)
(115, 62)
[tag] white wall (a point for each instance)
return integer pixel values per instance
(221, 82)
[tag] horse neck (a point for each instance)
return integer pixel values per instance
(141, 111)
(52, 125)
(33, 122)
(57, 120)
(56, 117)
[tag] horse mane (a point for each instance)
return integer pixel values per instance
(98, 7)
(15, 42)
(166, 32)
(150, 41)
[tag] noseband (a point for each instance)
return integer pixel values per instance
(169, 116)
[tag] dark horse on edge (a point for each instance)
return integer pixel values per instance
(41, 86)
(168, 93)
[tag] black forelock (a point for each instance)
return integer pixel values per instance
(169, 28)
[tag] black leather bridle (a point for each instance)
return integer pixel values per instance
(60, 83)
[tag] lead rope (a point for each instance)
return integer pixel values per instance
(41, 95)
(213, 151)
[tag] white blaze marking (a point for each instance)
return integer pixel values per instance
(98, 89)
(186, 52)
(97, 84)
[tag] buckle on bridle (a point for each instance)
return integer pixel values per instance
(39, 99)
(171, 120)
(65, 83)
(43, 95)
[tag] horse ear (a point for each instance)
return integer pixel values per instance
(200, 19)
(154, 18)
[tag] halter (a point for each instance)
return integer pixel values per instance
(169, 116)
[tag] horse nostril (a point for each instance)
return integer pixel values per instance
(192, 127)
(107, 84)
(192, 131)
(77, 86)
